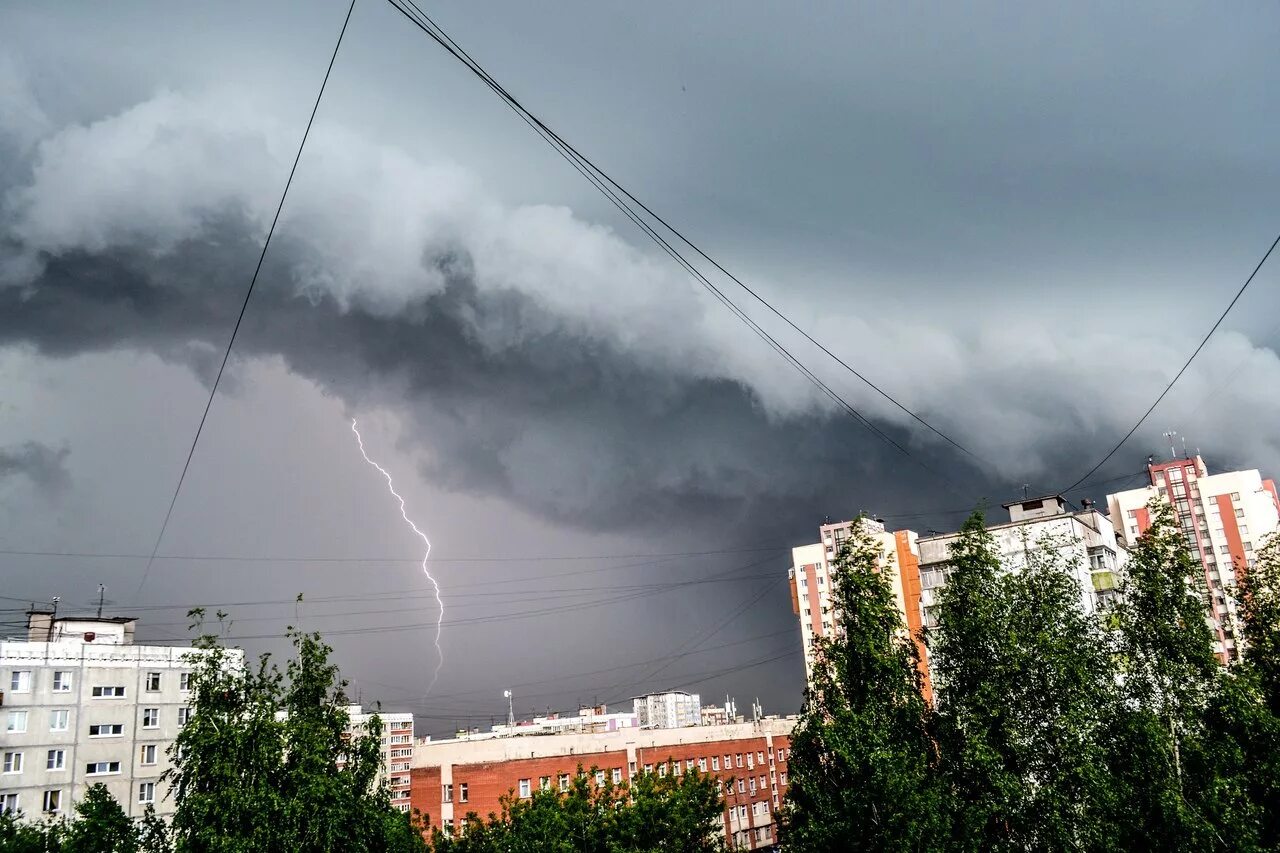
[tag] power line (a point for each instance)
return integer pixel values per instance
(1184, 367)
(235, 558)
(244, 305)
(602, 182)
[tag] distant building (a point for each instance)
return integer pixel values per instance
(452, 778)
(1224, 517)
(586, 721)
(720, 715)
(674, 709)
(83, 704)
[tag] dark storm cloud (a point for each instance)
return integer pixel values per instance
(43, 465)
(535, 356)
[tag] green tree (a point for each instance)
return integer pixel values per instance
(101, 826)
(863, 769)
(677, 813)
(1023, 678)
(267, 762)
(1165, 770)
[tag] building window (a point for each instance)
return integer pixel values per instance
(448, 793)
(702, 765)
(62, 682)
(738, 757)
(750, 761)
(56, 760)
(462, 792)
(760, 757)
(662, 770)
(184, 716)
(525, 793)
(742, 786)
(184, 681)
(148, 754)
(8, 803)
(1235, 496)
(689, 765)
(727, 762)
(715, 762)
(13, 762)
(20, 681)
(151, 718)
(779, 753)
(617, 775)
(782, 778)
(648, 768)
(564, 781)
(153, 682)
(1248, 546)
(59, 720)
(17, 722)
(52, 803)
(100, 768)
(147, 792)
(544, 783)
(106, 730)
(108, 692)
(599, 778)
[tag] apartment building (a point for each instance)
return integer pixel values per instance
(453, 778)
(83, 704)
(1085, 539)
(811, 575)
(397, 749)
(673, 709)
(1225, 518)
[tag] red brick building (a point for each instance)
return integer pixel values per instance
(452, 778)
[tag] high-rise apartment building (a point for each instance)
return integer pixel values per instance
(1084, 539)
(811, 576)
(673, 709)
(83, 704)
(1225, 519)
(917, 565)
(452, 778)
(397, 749)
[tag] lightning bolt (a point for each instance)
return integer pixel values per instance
(426, 571)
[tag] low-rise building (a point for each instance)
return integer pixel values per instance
(454, 778)
(83, 704)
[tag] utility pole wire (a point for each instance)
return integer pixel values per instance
(1183, 370)
(605, 184)
(146, 573)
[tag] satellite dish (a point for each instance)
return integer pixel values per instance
(89, 636)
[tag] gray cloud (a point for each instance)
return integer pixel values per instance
(43, 465)
(538, 357)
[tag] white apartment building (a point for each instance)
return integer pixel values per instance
(810, 579)
(82, 704)
(587, 720)
(1085, 538)
(674, 709)
(1225, 519)
(397, 749)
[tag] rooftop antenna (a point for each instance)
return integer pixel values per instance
(1173, 453)
(1184, 448)
(1026, 487)
(511, 711)
(102, 597)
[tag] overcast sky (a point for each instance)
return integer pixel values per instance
(1017, 221)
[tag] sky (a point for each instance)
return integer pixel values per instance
(1016, 222)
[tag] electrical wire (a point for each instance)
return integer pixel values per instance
(1184, 367)
(602, 182)
(235, 330)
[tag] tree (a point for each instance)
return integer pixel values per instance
(862, 768)
(1166, 779)
(266, 762)
(677, 813)
(1022, 678)
(101, 826)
